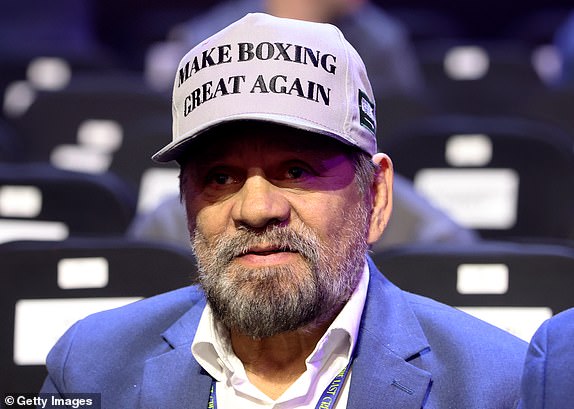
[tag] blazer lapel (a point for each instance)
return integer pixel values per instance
(390, 343)
(174, 379)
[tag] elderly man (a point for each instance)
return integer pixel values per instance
(274, 129)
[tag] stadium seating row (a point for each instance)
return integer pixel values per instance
(46, 286)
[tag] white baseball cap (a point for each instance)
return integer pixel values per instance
(290, 72)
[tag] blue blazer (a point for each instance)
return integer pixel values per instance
(548, 380)
(412, 352)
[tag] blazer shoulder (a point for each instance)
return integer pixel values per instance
(471, 363)
(148, 312)
(87, 355)
(437, 318)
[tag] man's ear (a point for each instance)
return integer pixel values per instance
(382, 197)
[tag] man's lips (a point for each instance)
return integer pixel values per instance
(263, 250)
(266, 254)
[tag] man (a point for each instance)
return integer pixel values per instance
(548, 379)
(284, 190)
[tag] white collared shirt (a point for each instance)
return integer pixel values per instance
(212, 349)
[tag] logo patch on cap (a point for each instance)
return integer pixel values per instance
(367, 112)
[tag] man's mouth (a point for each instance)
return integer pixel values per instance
(266, 253)
(267, 250)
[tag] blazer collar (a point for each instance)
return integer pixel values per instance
(390, 344)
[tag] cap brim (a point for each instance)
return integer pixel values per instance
(175, 149)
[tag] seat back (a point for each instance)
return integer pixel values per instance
(505, 177)
(38, 198)
(478, 78)
(80, 127)
(132, 161)
(515, 286)
(46, 286)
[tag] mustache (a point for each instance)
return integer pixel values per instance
(279, 238)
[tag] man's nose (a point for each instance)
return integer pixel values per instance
(260, 203)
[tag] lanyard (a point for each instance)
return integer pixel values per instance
(328, 398)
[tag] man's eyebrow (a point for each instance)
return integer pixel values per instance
(218, 147)
(209, 153)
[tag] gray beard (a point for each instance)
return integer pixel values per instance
(266, 301)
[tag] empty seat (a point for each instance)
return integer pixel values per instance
(552, 105)
(472, 77)
(39, 201)
(508, 178)
(513, 285)
(132, 161)
(395, 111)
(10, 149)
(59, 30)
(46, 286)
(80, 127)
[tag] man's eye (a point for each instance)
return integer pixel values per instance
(219, 179)
(296, 172)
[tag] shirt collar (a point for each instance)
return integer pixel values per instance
(341, 336)
(212, 349)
